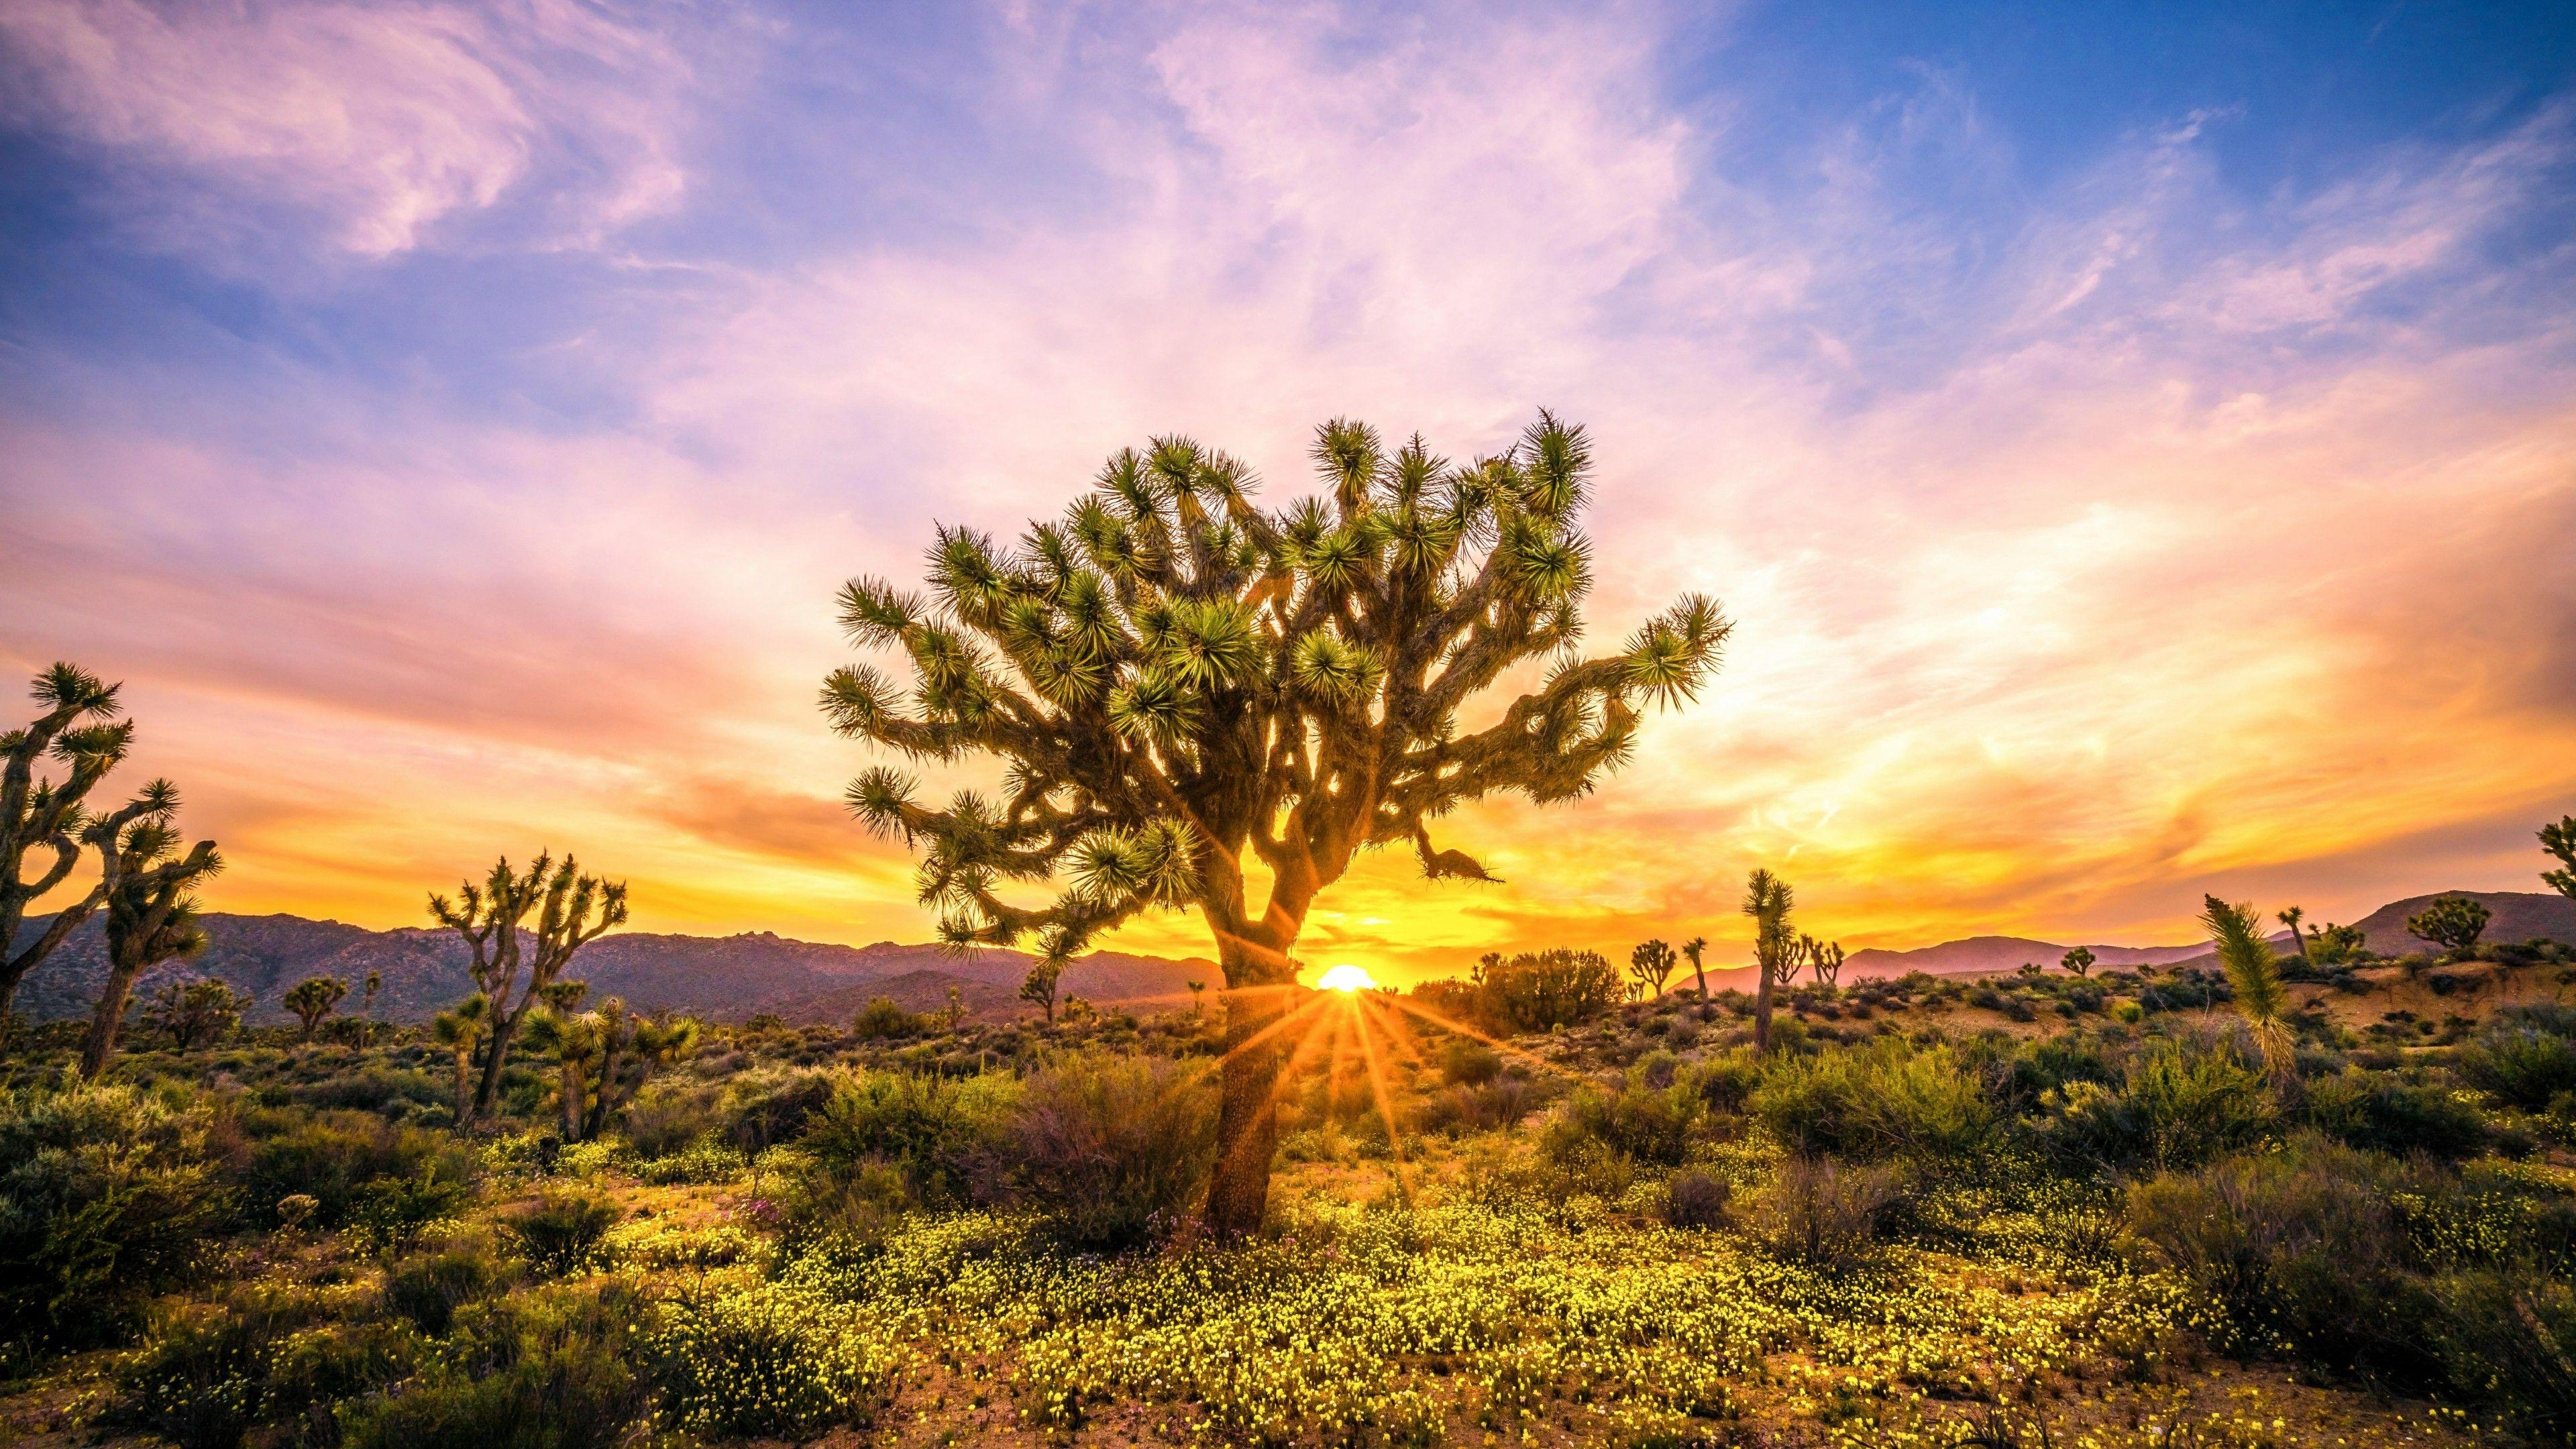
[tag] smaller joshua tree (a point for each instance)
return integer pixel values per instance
(572, 910)
(2078, 962)
(2254, 975)
(461, 1031)
(1824, 960)
(1691, 951)
(196, 1012)
(312, 999)
(2453, 923)
(149, 889)
(1038, 987)
(1650, 965)
(1768, 900)
(2290, 916)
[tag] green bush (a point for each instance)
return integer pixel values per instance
(1637, 1122)
(2300, 1248)
(107, 1196)
(334, 1158)
(2509, 1337)
(265, 1355)
(940, 1134)
(429, 1287)
(2524, 1057)
(1544, 990)
(1885, 1101)
(1465, 1063)
(393, 1212)
(2177, 1106)
(561, 1233)
(543, 1370)
(1114, 1150)
(2383, 1112)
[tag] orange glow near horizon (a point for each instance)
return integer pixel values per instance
(463, 460)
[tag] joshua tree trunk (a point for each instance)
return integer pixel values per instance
(1258, 973)
(1762, 1010)
(571, 1072)
(100, 1047)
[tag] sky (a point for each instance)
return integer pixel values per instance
(2137, 443)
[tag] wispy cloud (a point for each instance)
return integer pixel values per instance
(369, 123)
(2094, 540)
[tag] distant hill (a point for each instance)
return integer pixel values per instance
(2516, 916)
(722, 977)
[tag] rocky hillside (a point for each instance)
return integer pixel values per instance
(724, 977)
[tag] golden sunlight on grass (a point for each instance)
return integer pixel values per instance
(1347, 977)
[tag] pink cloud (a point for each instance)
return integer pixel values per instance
(376, 121)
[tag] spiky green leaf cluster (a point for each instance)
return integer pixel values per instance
(1175, 674)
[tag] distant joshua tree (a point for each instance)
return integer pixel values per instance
(1650, 965)
(572, 911)
(2290, 917)
(604, 1056)
(1824, 960)
(1768, 900)
(2254, 975)
(196, 1012)
(461, 1032)
(149, 889)
(2078, 962)
(1178, 678)
(2453, 923)
(1692, 949)
(1198, 996)
(313, 998)
(1038, 987)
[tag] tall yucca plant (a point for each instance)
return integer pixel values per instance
(2254, 975)
(1174, 676)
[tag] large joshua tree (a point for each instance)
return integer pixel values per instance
(150, 890)
(572, 911)
(78, 732)
(1174, 677)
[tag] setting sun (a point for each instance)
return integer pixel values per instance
(1347, 977)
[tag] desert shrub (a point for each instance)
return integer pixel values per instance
(2050, 1064)
(2301, 1250)
(1725, 1083)
(333, 1157)
(1886, 1101)
(1114, 1149)
(383, 1090)
(882, 1020)
(2176, 1106)
(107, 1194)
(265, 1355)
(767, 1109)
(1823, 1212)
(669, 1117)
(427, 1288)
(751, 1358)
(2509, 1338)
(1544, 990)
(1636, 1122)
(1499, 1103)
(2383, 1112)
(939, 1134)
(708, 1159)
(560, 1233)
(542, 1370)
(393, 1212)
(1465, 1063)
(1696, 1200)
(2524, 1057)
